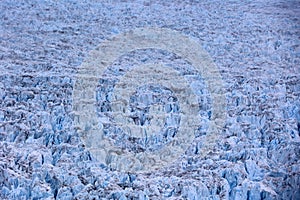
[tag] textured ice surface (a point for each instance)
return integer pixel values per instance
(255, 45)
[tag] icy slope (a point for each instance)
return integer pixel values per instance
(255, 46)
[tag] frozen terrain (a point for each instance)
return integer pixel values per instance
(255, 46)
